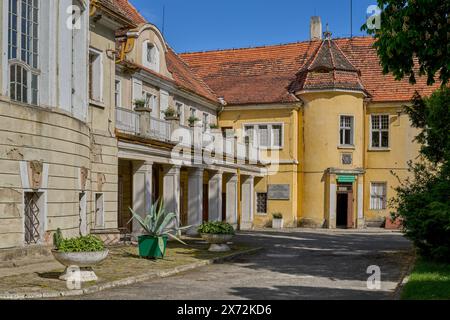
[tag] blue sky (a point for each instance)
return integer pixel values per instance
(197, 25)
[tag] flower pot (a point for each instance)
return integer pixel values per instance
(218, 242)
(277, 223)
(149, 248)
(79, 261)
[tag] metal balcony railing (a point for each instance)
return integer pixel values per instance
(127, 121)
(160, 129)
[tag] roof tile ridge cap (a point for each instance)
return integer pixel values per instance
(196, 76)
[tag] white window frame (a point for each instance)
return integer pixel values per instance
(352, 131)
(150, 99)
(118, 93)
(179, 107)
(379, 131)
(270, 126)
(31, 70)
(384, 200)
(151, 49)
(98, 75)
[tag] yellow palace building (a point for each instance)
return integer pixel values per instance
(328, 115)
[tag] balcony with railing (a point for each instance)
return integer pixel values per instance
(127, 121)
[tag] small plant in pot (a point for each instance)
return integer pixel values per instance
(171, 114)
(217, 234)
(193, 120)
(158, 227)
(83, 252)
(277, 220)
(140, 103)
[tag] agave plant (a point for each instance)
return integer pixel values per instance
(157, 223)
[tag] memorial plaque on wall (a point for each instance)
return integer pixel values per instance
(278, 192)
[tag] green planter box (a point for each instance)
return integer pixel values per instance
(149, 248)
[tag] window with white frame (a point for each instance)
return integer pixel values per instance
(268, 136)
(95, 76)
(151, 58)
(99, 210)
(378, 195)
(379, 131)
(180, 111)
(23, 50)
(150, 99)
(205, 121)
(118, 93)
(346, 130)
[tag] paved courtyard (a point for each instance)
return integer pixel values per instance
(297, 264)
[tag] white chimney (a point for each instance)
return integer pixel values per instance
(316, 28)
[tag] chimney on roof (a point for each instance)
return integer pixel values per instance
(316, 28)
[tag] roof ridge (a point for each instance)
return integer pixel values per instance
(269, 45)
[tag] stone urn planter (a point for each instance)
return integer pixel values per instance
(82, 261)
(277, 221)
(218, 242)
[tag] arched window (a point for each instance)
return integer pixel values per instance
(150, 54)
(23, 54)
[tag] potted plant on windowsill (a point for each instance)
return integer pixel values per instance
(217, 234)
(83, 252)
(171, 114)
(193, 120)
(277, 221)
(158, 227)
(140, 104)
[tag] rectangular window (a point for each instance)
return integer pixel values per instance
(378, 196)
(23, 53)
(82, 213)
(150, 100)
(346, 131)
(99, 211)
(264, 135)
(95, 76)
(205, 121)
(261, 203)
(380, 131)
(118, 93)
(180, 110)
(34, 217)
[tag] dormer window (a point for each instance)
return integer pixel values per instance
(150, 56)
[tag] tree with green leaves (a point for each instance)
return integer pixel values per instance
(414, 39)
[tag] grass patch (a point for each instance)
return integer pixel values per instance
(428, 281)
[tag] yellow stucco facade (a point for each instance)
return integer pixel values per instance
(310, 160)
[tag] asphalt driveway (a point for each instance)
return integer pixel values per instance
(298, 264)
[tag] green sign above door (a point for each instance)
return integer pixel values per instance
(346, 179)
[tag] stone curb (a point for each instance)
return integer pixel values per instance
(405, 277)
(126, 281)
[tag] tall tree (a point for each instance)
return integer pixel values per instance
(414, 39)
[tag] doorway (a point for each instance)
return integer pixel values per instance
(205, 203)
(344, 206)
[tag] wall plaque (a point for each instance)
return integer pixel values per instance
(279, 192)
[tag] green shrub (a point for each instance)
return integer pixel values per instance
(216, 228)
(88, 243)
(277, 215)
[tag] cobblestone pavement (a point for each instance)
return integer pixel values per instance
(296, 264)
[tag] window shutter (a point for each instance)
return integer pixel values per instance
(164, 102)
(137, 90)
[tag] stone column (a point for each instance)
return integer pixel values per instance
(171, 190)
(360, 223)
(195, 199)
(232, 200)
(142, 191)
(248, 203)
(215, 196)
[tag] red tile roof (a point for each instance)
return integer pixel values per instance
(183, 76)
(268, 74)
